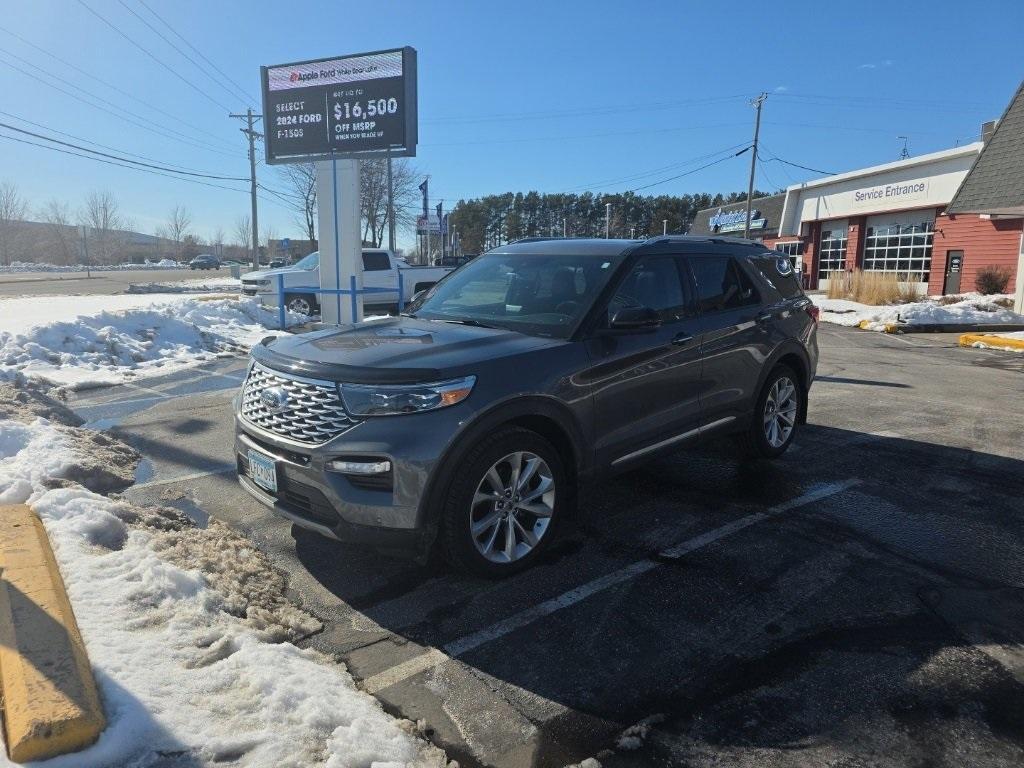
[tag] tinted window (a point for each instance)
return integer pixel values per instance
(654, 282)
(778, 271)
(375, 262)
(721, 284)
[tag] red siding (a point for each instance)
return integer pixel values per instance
(984, 242)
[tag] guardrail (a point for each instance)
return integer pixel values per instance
(282, 313)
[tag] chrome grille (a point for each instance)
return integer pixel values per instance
(313, 413)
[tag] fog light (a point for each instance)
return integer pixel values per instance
(359, 467)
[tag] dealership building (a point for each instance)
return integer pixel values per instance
(935, 219)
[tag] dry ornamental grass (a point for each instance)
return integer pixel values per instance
(875, 288)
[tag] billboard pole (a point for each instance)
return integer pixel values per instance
(391, 206)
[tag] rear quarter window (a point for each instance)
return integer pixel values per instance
(778, 272)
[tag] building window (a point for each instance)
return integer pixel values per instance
(794, 249)
(902, 248)
(832, 255)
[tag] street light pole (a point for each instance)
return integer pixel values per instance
(664, 226)
(607, 219)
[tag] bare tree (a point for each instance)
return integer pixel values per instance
(178, 222)
(373, 183)
(12, 212)
(217, 241)
(243, 233)
(102, 216)
(301, 181)
(61, 240)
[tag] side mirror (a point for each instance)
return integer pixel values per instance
(635, 319)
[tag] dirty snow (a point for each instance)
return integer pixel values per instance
(974, 308)
(194, 285)
(90, 340)
(181, 645)
(19, 267)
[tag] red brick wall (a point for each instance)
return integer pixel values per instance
(811, 242)
(855, 243)
(984, 242)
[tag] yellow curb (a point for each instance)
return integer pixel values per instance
(863, 324)
(999, 342)
(50, 701)
(892, 328)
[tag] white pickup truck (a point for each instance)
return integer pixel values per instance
(302, 279)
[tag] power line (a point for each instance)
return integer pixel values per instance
(585, 136)
(138, 121)
(201, 55)
(701, 168)
(109, 85)
(164, 37)
(162, 63)
(119, 158)
(797, 165)
(93, 143)
(662, 169)
(119, 165)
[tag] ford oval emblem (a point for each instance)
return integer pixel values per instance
(274, 399)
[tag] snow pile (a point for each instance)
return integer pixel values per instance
(111, 346)
(994, 344)
(179, 624)
(195, 285)
(973, 308)
(31, 266)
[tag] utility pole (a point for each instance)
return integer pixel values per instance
(565, 226)
(391, 206)
(753, 159)
(607, 219)
(85, 250)
(664, 226)
(252, 135)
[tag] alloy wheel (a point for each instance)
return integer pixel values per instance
(780, 412)
(300, 305)
(512, 507)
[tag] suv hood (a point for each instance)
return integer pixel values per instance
(395, 350)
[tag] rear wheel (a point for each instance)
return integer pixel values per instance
(504, 506)
(776, 412)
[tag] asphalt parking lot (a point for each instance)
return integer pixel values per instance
(99, 283)
(859, 602)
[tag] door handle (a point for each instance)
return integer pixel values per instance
(682, 338)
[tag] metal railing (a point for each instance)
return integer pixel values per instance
(282, 312)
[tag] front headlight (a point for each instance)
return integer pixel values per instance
(396, 399)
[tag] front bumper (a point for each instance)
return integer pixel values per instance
(385, 512)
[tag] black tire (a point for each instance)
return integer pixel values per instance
(754, 442)
(297, 300)
(455, 537)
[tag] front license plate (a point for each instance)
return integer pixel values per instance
(263, 471)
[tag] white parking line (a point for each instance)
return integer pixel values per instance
(433, 656)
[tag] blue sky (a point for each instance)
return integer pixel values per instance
(553, 96)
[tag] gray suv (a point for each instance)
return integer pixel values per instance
(469, 421)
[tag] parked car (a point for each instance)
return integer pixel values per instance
(278, 262)
(380, 270)
(472, 420)
(205, 261)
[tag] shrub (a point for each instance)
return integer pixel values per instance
(992, 279)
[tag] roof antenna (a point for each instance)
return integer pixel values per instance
(904, 154)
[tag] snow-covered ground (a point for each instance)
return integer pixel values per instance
(193, 285)
(89, 340)
(31, 266)
(974, 308)
(187, 629)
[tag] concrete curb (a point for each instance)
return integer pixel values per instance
(944, 327)
(997, 342)
(50, 702)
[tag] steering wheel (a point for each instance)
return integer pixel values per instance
(567, 307)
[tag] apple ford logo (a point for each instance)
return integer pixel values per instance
(274, 399)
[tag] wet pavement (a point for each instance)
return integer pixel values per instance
(857, 603)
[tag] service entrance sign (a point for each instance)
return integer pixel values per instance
(356, 106)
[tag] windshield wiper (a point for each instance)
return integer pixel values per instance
(474, 323)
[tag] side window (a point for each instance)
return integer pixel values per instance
(654, 282)
(721, 284)
(375, 261)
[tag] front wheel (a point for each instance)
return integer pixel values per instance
(300, 303)
(775, 416)
(505, 503)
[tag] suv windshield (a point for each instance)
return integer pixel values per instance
(531, 293)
